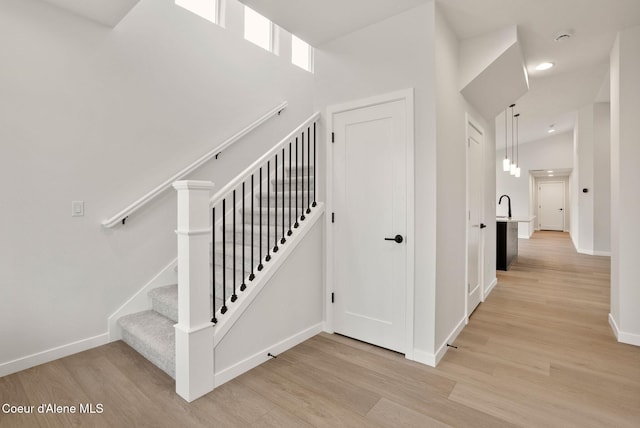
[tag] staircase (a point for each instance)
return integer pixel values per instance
(250, 225)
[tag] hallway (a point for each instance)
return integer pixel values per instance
(538, 353)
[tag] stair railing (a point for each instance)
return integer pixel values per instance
(200, 275)
(272, 196)
(121, 216)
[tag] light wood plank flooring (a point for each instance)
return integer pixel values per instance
(539, 352)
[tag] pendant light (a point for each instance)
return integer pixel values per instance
(506, 163)
(512, 167)
(517, 173)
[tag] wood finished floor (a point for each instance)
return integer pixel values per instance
(539, 352)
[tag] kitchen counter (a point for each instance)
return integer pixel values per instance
(515, 219)
(506, 242)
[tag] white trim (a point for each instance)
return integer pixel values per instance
(469, 120)
(594, 252)
(434, 359)
(260, 357)
(406, 95)
(623, 336)
(52, 354)
(277, 259)
(152, 194)
(523, 237)
(140, 301)
(490, 288)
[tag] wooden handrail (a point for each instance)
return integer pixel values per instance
(122, 215)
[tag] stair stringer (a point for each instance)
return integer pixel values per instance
(140, 301)
(283, 308)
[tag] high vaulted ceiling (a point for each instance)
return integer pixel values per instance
(554, 96)
(579, 77)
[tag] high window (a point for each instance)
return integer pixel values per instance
(258, 29)
(207, 9)
(301, 54)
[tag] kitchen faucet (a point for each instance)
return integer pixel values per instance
(508, 200)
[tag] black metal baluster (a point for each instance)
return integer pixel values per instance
(290, 197)
(275, 217)
(234, 296)
(260, 266)
(296, 224)
(283, 240)
(301, 170)
(252, 276)
(213, 262)
(268, 256)
(224, 258)
(308, 169)
(314, 166)
(243, 286)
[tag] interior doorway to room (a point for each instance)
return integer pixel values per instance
(550, 199)
(475, 198)
(551, 205)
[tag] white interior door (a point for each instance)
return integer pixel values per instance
(551, 205)
(370, 199)
(475, 189)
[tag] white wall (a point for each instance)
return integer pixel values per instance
(451, 199)
(591, 234)
(417, 50)
(583, 179)
(395, 54)
(555, 152)
(602, 179)
(625, 176)
(103, 115)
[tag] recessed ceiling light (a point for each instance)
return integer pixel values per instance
(550, 171)
(551, 129)
(544, 66)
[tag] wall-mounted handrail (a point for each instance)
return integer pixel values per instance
(122, 215)
(262, 160)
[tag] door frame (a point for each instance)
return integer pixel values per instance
(469, 120)
(562, 184)
(407, 96)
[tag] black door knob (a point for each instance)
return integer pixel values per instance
(482, 225)
(397, 238)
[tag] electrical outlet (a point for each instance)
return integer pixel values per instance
(77, 208)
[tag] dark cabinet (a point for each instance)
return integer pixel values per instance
(506, 244)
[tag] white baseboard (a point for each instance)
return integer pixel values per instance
(490, 288)
(623, 337)
(52, 354)
(255, 360)
(594, 252)
(523, 236)
(433, 359)
(140, 301)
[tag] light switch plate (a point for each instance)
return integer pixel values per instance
(77, 208)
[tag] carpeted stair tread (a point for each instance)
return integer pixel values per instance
(165, 301)
(153, 336)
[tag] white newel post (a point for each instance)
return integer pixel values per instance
(194, 331)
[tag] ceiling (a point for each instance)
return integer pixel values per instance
(318, 21)
(555, 95)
